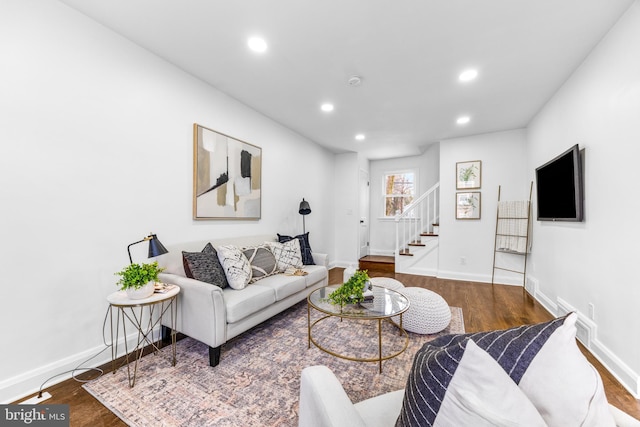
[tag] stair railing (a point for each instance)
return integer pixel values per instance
(418, 217)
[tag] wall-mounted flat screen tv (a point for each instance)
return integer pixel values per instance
(559, 187)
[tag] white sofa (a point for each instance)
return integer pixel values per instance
(324, 403)
(213, 315)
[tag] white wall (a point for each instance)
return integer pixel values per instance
(596, 261)
(347, 213)
(383, 230)
(466, 246)
(96, 152)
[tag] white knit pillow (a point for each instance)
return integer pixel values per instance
(236, 266)
(287, 254)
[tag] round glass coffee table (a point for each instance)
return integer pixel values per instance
(386, 303)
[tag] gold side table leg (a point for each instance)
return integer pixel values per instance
(380, 343)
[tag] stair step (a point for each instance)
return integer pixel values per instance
(429, 234)
(405, 252)
(416, 244)
(379, 263)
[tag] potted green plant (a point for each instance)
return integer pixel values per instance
(139, 280)
(352, 291)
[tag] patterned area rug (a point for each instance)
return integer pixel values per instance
(258, 379)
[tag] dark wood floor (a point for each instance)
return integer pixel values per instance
(485, 307)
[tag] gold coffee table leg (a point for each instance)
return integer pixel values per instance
(380, 343)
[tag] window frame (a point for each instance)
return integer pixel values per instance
(386, 196)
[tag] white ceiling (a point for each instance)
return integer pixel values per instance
(408, 52)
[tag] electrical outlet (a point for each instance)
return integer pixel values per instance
(592, 314)
(35, 399)
(463, 260)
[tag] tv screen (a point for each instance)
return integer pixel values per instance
(559, 187)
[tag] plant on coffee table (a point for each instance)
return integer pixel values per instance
(352, 291)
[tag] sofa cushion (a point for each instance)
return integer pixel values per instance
(287, 254)
(262, 261)
(205, 266)
(305, 247)
(283, 285)
(461, 385)
(242, 303)
(546, 363)
(236, 266)
(315, 273)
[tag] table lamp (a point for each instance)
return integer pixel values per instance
(155, 247)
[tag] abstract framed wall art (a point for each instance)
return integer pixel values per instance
(227, 176)
(468, 175)
(468, 205)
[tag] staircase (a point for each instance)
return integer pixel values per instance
(417, 235)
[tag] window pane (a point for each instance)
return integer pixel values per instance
(399, 184)
(396, 205)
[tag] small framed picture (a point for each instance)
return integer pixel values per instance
(468, 175)
(468, 205)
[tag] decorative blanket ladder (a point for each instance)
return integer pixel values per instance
(513, 234)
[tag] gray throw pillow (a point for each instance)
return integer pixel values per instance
(204, 266)
(263, 262)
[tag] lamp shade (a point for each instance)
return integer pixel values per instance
(304, 209)
(155, 247)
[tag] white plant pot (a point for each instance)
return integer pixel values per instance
(140, 293)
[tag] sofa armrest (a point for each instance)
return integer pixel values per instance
(623, 419)
(201, 311)
(323, 401)
(320, 258)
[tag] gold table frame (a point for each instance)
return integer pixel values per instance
(133, 311)
(362, 313)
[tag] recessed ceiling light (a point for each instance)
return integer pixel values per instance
(257, 44)
(326, 107)
(468, 75)
(360, 137)
(463, 120)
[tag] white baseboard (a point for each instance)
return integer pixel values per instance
(457, 275)
(587, 334)
(28, 383)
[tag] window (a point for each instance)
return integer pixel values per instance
(399, 191)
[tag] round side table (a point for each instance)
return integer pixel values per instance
(145, 315)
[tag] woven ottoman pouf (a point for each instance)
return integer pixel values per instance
(387, 282)
(428, 313)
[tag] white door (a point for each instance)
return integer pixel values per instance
(363, 230)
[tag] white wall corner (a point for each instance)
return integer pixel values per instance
(587, 334)
(543, 299)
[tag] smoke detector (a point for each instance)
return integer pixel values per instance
(355, 81)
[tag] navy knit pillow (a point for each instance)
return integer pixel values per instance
(305, 247)
(513, 349)
(204, 266)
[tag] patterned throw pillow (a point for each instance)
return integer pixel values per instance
(305, 247)
(548, 367)
(204, 266)
(287, 254)
(263, 262)
(236, 266)
(462, 385)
